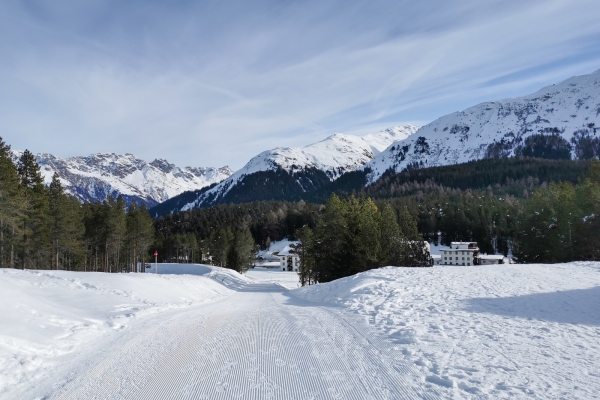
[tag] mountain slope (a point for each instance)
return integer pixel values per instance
(99, 176)
(302, 169)
(335, 155)
(568, 113)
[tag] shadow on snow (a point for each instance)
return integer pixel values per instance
(580, 306)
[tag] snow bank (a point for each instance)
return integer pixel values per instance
(509, 331)
(226, 277)
(287, 279)
(49, 314)
(230, 278)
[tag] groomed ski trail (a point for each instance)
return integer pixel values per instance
(259, 343)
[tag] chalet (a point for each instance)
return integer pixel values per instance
(288, 259)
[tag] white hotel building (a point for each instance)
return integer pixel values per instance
(460, 253)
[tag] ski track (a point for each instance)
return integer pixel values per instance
(259, 343)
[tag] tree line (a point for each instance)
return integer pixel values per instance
(42, 227)
(540, 210)
(485, 201)
(354, 235)
(561, 222)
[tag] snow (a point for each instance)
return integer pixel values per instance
(48, 315)
(279, 245)
(334, 155)
(465, 136)
(268, 259)
(287, 251)
(508, 331)
(286, 279)
(97, 176)
(196, 331)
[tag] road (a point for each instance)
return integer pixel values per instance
(259, 343)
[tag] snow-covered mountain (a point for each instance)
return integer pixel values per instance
(98, 176)
(332, 156)
(570, 109)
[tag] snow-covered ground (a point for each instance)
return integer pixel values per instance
(506, 331)
(289, 280)
(194, 331)
(47, 315)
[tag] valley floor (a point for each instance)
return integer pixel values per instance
(509, 331)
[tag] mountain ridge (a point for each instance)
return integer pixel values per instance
(569, 110)
(97, 176)
(333, 156)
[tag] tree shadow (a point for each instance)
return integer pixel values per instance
(579, 306)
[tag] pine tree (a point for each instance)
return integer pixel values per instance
(220, 241)
(363, 234)
(35, 246)
(330, 242)
(116, 229)
(11, 207)
(140, 234)
(240, 253)
(391, 236)
(66, 227)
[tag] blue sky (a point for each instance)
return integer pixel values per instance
(213, 83)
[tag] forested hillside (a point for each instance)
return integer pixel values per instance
(485, 201)
(541, 210)
(41, 227)
(516, 176)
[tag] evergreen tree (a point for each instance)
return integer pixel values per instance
(363, 233)
(66, 227)
(35, 246)
(241, 251)
(330, 250)
(11, 207)
(392, 237)
(220, 241)
(305, 252)
(139, 234)
(116, 230)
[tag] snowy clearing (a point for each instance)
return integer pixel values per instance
(506, 331)
(193, 331)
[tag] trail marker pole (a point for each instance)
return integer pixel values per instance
(156, 261)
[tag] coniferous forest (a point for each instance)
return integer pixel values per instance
(41, 227)
(538, 210)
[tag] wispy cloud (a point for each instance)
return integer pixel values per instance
(214, 83)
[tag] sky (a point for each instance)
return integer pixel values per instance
(213, 83)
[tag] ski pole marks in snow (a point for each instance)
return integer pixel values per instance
(257, 344)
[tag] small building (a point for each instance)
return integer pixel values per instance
(489, 259)
(288, 259)
(460, 253)
(437, 259)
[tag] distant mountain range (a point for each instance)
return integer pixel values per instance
(561, 119)
(99, 176)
